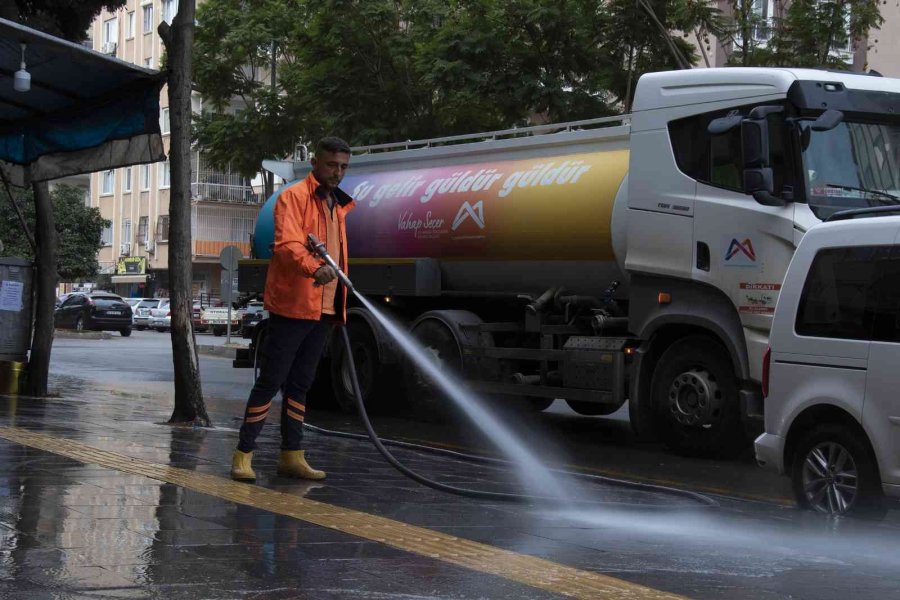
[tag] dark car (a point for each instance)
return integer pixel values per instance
(252, 314)
(98, 311)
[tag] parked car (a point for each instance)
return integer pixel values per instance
(830, 376)
(133, 302)
(197, 312)
(61, 298)
(100, 311)
(161, 318)
(142, 312)
(251, 314)
(217, 319)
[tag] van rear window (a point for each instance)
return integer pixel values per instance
(841, 294)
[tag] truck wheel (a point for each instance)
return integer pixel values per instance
(369, 370)
(695, 399)
(218, 331)
(835, 473)
(125, 332)
(440, 347)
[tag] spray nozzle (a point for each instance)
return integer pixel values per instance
(317, 247)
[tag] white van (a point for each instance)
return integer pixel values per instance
(831, 376)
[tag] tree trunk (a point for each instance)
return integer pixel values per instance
(46, 278)
(179, 41)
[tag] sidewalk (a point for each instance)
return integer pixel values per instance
(100, 499)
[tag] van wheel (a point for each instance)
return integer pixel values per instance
(695, 399)
(835, 473)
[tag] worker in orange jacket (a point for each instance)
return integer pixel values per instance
(304, 298)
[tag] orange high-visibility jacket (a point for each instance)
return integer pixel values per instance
(289, 282)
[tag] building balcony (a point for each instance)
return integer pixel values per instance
(214, 185)
(212, 248)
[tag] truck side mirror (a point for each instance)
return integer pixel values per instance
(828, 120)
(758, 177)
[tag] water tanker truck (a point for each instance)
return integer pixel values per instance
(635, 259)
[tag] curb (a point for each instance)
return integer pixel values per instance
(82, 335)
(225, 351)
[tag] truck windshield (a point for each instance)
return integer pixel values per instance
(854, 165)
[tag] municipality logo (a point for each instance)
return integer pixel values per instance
(467, 211)
(740, 254)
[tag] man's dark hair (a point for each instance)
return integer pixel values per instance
(332, 144)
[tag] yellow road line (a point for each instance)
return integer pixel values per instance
(529, 570)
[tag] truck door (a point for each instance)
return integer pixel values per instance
(740, 246)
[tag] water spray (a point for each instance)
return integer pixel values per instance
(319, 249)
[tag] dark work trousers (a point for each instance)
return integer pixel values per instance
(292, 350)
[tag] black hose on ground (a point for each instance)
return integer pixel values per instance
(480, 494)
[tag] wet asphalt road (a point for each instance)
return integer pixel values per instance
(740, 549)
(603, 445)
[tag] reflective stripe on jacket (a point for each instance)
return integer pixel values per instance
(289, 281)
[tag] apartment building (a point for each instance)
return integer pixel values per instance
(879, 52)
(224, 205)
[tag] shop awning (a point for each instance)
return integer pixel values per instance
(129, 278)
(85, 111)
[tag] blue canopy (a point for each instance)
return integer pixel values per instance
(85, 111)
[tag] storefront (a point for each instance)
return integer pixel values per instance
(130, 280)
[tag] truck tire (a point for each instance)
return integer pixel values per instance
(695, 399)
(369, 370)
(440, 345)
(834, 472)
(218, 331)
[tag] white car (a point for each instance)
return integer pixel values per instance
(832, 373)
(141, 318)
(161, 318)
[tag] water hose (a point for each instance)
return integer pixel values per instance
(319, 249)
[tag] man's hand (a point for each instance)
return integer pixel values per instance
(324, 274)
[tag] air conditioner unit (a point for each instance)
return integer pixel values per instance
(125, 250)
(108, 47)
(150, 246)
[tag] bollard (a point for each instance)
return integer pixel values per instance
(11, 377)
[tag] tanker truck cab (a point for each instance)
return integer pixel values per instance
(728, 169)
(634, 258)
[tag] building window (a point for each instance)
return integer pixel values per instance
(164, 121)
(143, 229)
(108, 181)
(106, 234)
(126, 231)
(148, 62)
(169, 8)
(129, 25)
(148, 18)
(111, 31)
(145, 177)
(127, 183)
(164, 175)
(162, 228)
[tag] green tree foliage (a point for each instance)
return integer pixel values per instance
(79, 229)
(808, 33)
(374, 71)
(68, 19)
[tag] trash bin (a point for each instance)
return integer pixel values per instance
(15, 319)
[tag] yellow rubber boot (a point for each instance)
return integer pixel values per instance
(292, 463)
(240, 466)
